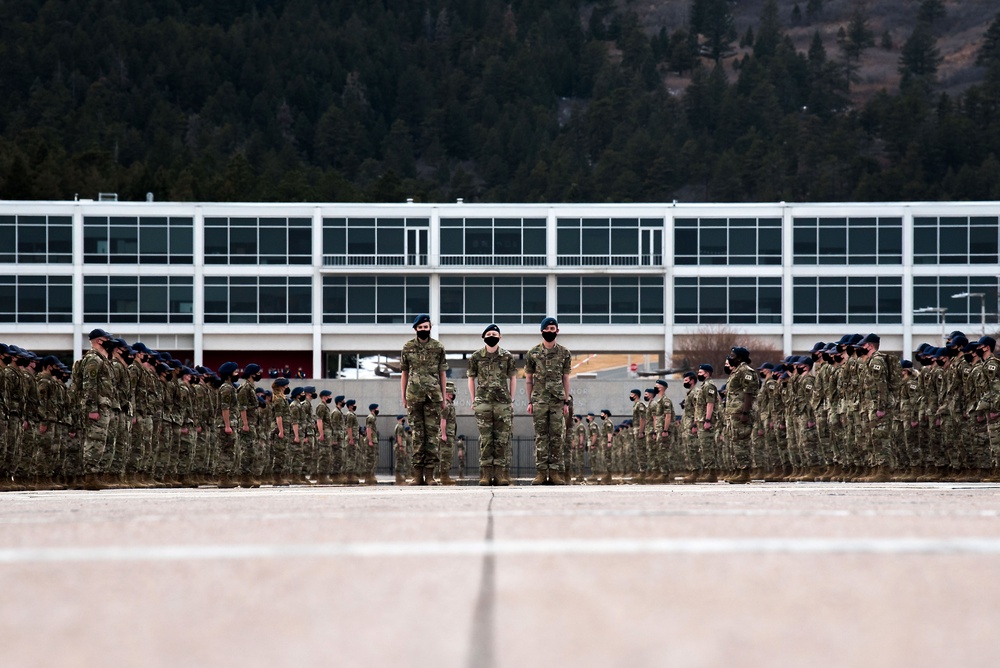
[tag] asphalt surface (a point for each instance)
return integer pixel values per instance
(707, 575)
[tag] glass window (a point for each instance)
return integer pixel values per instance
(374, 299)
(35, 299)
(968, 312)
(725, 241)
(607, 242)
(838, 300)
(955, 240)
(253, 299)
(505, 299)
(610, 300)
(721, 300)
(134, 299)
(257, 240)
(370, 241)
(860, 240)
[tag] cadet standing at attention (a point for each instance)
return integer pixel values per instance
(370, 449)
(422, 384)
(546, 369)
(451, 431)
(492, 384)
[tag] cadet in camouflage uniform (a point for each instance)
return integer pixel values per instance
(447, 451)
(246, 438)
(547, 368)
(94, 391)
(324, 439)
(370, 447)
(422, 385)
(228, 463)
(492, 385)
(605, 441)
(741, 392)
(399, 450)
(664, 434)
(281, 433)
(639, 420)
(878, 384)
(352, 444)
(706, 419)
(339, 439)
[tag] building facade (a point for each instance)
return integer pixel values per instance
(311, 282)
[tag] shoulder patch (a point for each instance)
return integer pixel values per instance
(748, 377)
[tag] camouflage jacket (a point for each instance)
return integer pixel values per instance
(492, 372)
(423, 362)
(547, 366)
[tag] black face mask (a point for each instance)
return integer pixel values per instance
(549, 336)
(375, 411)
(423, 334)
(702, 378)
(688, 384)
(633, 398)
(491, 340)
(257, 377)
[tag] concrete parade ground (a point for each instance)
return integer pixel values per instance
(796, 574)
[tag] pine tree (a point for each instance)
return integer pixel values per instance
(920, 57)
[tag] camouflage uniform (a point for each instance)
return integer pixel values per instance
(547, 366)
(370, 447)
(424, 362)
(708, 394)
(493, 404)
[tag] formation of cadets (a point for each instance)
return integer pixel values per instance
(130, 416)
(845, 412)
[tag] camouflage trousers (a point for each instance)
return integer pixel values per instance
(425, 421)
(708, 447)
(400, 463)
(95, 440)
(807, 441)
(495, 423)
(739, 441)
(550, 430)
(228, 461)
(249, 450)
(324, 454)
(369, 461)
(141, 444)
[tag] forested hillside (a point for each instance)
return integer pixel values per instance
(500, 101)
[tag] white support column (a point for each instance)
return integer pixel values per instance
(551, 240)
(77, 282)
(198, 317)
(668, 288)
(907, 283)
(434, 242)
(317, 294)
(787, 305)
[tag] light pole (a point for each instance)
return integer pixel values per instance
(982, 305)
(940, 310)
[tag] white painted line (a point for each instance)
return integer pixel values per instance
(706, 546)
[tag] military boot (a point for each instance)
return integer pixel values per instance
(446, 479)
(540, 478)
(485, 476)
(429, 476)
(418, 477)
(370, 480)
(692, 478)
(741, 477)
(556, 478)
(607, 479)
(501, 476)
(400, 479)
(711, 475)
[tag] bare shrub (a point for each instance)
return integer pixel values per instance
(712, 345)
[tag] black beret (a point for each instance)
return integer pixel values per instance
(636, 391)
(549, 321)
(906, 364)
(740, 351)
(351, 402)
(662, 382)
(228, 368)
(310, 389)
(326, 393)
(491, 328)
(338, 398)
(372, 407)
(251, 369)
(281, 382)
(706, 367)
(423, 317)
(689, 374)
(651, 390)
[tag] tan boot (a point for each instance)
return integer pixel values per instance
(606, 479)
(556, 478)
(418, 477)
(540, 478)
(485, 476)
(371, 480)
(711, 476)
(429, 476)
(741, 477)
(400, 479)
(446, 479)
(502, 476)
